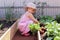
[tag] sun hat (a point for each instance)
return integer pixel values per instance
(32, 5)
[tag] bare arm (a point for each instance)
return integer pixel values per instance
(32, 18)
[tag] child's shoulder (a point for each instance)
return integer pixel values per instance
(28, 14)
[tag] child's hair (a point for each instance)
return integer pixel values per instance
(26, 8)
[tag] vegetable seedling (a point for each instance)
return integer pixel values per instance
(1, 26)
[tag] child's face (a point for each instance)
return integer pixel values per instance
(31, 10)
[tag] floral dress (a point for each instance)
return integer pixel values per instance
(23, 24)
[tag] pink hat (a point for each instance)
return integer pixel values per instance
(32, 5)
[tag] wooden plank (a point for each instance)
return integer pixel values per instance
(10, 32)
(39, 37)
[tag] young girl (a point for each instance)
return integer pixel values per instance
(26, 19)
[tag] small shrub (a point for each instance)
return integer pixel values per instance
(58, 18)
(1, 26)
(44, 19)
(9, 15)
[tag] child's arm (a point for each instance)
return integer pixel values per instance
(32, 17)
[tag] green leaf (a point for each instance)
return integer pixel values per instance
(34, 27)
(1, 26)
(57, 38)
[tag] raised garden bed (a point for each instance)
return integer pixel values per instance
(9, 34)
(52, 31)
(52, 28)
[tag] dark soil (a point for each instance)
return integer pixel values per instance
(5, 26)
(18, 36)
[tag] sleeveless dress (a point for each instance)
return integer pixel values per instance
(23, 24)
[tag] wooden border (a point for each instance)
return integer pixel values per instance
(8, 35)
(39, 37)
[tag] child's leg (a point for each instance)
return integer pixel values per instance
(21, 27)
(27, 29)
(26, 32)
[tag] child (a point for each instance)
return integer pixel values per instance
(26, 19)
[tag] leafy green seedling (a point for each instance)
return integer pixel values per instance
(34, 28)
(1, 26)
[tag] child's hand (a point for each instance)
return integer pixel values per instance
(36, 22)
(41, 31)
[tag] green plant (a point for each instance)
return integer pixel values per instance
(9, 15)
(34, 28)
(49, 38)
(44, 19)
(57, 38)
(53, 29)
(58, 18)
(1, 26)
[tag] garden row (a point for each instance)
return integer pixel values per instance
(49, 27)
